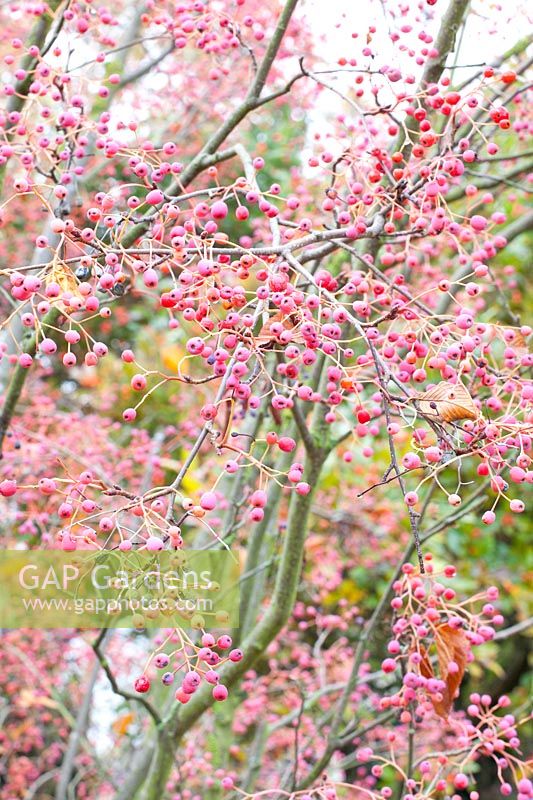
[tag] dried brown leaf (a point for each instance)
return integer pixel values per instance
(451, 646)
(265, 337)
(426, 667)
(61, 274)
(448, 402)
(517, 342)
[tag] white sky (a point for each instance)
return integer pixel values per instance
(335, 20)
(491, 29)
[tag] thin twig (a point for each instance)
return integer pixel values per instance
(97, 647)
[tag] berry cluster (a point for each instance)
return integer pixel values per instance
(201, 662)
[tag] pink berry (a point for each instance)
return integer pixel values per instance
(235, 655)
(286, 444)
(460, 781)
(48, 347)
(150, 278)
(142, 684)
(182, 697)
(8, 488)
(155, 197)
(154, 544)
(517, 474)
(220, 692)
(433, 454)
(191, 681)
(208, 501)
(258, 498)
(138, 383)
(478, 222)
(411, 498)
(219, 210)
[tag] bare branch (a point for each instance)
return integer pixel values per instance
(97, 647)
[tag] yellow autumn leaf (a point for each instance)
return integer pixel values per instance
(238, 755)
(190, 485)
(346, 590)
(174, 358)
(121, 724)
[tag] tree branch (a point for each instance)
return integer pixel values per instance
(275, 618)
(67, 764)
(506, 633)
(272, 50)
(97, 647)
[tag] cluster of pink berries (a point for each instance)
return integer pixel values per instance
(427, 614)
(206, 662)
